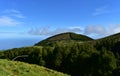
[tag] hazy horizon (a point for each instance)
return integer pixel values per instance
(10, 43)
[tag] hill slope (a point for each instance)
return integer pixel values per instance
(69, 36)
(14, 68)
(114, 36)
(111, 43)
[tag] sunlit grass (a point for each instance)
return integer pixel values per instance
(15, 68)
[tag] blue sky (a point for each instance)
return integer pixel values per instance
(43, 18)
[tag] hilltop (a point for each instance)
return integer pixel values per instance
(64, 37)
(16, 68)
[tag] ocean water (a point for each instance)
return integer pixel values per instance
(9, 43)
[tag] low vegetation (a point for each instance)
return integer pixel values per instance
(15, 68)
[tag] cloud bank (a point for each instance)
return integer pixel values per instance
(94, 31)
(98, 31)
(46, 31)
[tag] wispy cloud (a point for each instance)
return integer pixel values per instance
(46, 31)
(8, 21)
(39, 31)
(11, 17)
(13, 13)
(100, 10)
(18, 15)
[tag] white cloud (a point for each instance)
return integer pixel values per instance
(13, 13)
(94, 31)
(100, 10)
(97, 30)
(117, 29)
(62, 30)
(46, 31)
(18, 15)
(8, 21)
(11, 17)
(113, 28)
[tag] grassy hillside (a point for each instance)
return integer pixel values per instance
(15, 68)
(64, 37)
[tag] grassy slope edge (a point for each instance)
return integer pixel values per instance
(15, 68)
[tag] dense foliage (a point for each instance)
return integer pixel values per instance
(90, 58)
(75, 59)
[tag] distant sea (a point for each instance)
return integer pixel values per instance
(9, 43)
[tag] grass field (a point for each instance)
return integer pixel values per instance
(15, 68)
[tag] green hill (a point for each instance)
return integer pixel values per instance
(85, 57)
(111, 43)
(64, 37)
(114, 36)
(15, 68)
